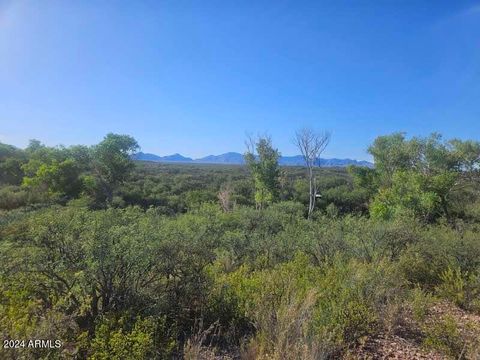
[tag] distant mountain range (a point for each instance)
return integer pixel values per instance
(234, 158)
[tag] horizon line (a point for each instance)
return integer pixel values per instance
(235, 152)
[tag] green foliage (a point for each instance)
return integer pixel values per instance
(59, 174)
(445, 336)
(113, 341)
(345, 199)
(11, 161)
(112, 157)
(112, 162)
(452, 286)
(409, 193)
(330, 307)
(90, 264)
(195, 198)
(364, 178)
(265, 171)
(57, 178)
(392, 153)
(331, 210)
(420, 302)
(463, 289)
(353, 296)
(301, 191)
(437, 249)
(422, 176)
(13, 197)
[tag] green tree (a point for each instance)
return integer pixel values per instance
(112, 162)
(52, 170)
(467, 154)
(392, 153)
(57, 178)
(364, 178)
(408, 194)
(421, 175)
(11, 161)
(262, 159)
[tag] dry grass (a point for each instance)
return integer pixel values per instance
(284, 333)
(197, 347)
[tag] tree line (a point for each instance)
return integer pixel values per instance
(429, 177)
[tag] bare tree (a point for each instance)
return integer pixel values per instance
(225, 198)
(311, 145)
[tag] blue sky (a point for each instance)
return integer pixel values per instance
(194, 76)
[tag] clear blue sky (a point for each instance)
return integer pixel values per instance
(194, 76)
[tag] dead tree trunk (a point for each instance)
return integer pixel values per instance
(311, 145)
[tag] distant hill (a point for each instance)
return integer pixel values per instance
(297, 160)
(234, 158)
(344, 162)
(227, 158)
(169, 158)
(146, 157)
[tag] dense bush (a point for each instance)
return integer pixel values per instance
(130, 276)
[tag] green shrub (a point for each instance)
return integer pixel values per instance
(419, 302)
(336, 304)
(14, 197)
(353, 298)
(280, 303)
(115, 340)
(462, 289)
(444, 335)
(439, 248)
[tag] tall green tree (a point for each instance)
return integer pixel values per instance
(262, 159)
(112, 162)
(392, 153)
